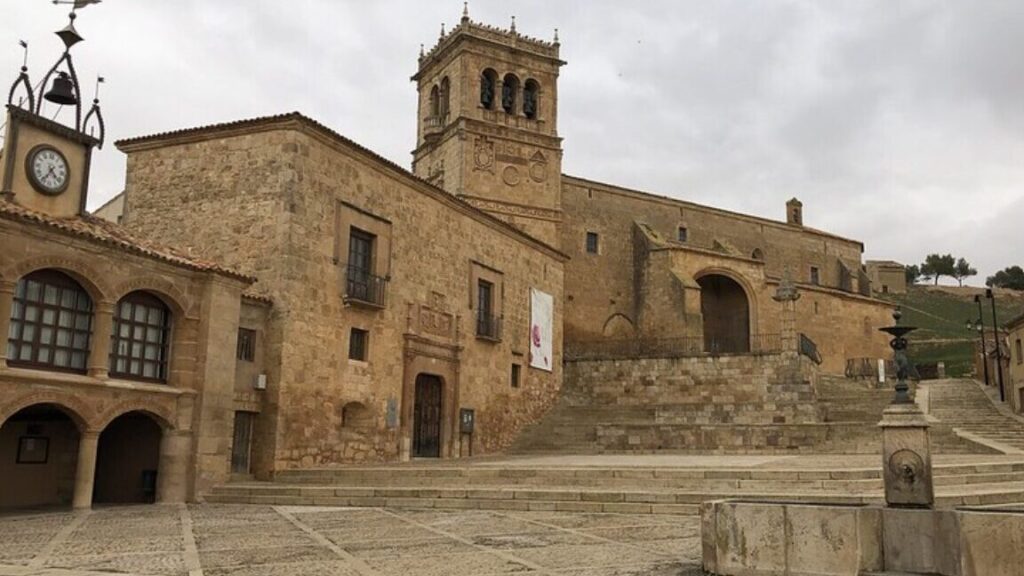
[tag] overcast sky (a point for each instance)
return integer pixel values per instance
(898, 123)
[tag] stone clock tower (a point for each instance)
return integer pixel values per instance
(487, 127)
(44, 165)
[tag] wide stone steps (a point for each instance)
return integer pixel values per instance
(964, 406)
(633, 501)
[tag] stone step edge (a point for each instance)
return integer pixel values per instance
(566, 506)
(485, 470)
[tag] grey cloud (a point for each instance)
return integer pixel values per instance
(897, 122)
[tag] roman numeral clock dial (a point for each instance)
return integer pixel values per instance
(47, 170)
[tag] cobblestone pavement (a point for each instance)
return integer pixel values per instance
(216, 540)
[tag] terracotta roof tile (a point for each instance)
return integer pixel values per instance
(114, 235)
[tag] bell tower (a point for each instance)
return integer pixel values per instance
(488, 123)
(44, 164)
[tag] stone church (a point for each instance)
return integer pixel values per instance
(274, 295)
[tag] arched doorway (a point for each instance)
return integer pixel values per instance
(127, 460)
(38, 457)
(426, 421)
(726, 312)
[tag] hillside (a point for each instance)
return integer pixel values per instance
(941, 312)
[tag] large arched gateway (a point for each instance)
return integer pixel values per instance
(726, 312)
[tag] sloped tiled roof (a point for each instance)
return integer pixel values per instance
(104, 232)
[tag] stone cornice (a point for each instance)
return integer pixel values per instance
(805, 287)
(513, 209)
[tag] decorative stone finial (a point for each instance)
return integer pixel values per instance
(513, 27)
(787, 290)
(422, 54)
(556, 35)
(465, 12)
(442, 30)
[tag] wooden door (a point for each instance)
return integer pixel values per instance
(241, 447)
(426, 434)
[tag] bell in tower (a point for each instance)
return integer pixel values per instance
(487, 129)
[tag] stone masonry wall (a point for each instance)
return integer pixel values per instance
(288, 184)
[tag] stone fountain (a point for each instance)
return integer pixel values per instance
(908, 535)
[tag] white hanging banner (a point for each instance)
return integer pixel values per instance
(542, 308)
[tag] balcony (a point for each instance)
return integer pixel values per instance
(363, 288)
(433, 125)
(488, 327)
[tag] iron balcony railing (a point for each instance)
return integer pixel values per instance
(488, 326)
(809, 349)
(682, 347)
(361, 287)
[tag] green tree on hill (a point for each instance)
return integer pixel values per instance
(1011, 277)
(963, 270)
(913, 273)
(936, 266)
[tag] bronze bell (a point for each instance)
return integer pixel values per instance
(62, 91)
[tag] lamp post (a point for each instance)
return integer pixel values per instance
(979, 327)
(999, 349)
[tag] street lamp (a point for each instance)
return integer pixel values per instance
(979, 327)
(999, 349)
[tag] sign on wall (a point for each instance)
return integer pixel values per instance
(542, 308)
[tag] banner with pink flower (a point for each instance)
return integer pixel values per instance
(542, 308)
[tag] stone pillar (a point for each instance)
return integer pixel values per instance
(906, 457)
(6, 303)
(172, 475)
(787, 295)
(102, 329)
(85, 473)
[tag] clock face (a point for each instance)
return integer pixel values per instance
(48, 170)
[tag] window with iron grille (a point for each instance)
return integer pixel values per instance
(139, 343)
(51, 323)
(361, 284)
(358, 343)
(246, 344)
(592, 242)
(516, 373)
(682, 234)
(815, 276)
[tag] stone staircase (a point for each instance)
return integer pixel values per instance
(618, 489)
(728, 405)
(966, 408)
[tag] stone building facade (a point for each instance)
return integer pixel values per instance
(887, 277)
(113, 380)
(357, 311)
(1015, 370)
(295, 204)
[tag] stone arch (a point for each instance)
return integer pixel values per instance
(128, 458)
(78, 269)
(435, 101)
(445, 97)
(619, 325)
(171, 295)
(488, 88)
(531, 98)
(510, 94)
(160, 414)
(726, 309)
(78, 410)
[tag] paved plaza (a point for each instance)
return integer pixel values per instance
(215, 540)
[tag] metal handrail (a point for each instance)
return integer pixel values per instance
(488, 326)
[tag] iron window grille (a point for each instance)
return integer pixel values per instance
(246, 345)
(51, 323)
(592, 242)
(358, 344)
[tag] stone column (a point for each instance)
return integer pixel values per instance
(102, 329)
(172, 475)
(85, 473)
(6, 303)
(787, 295)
